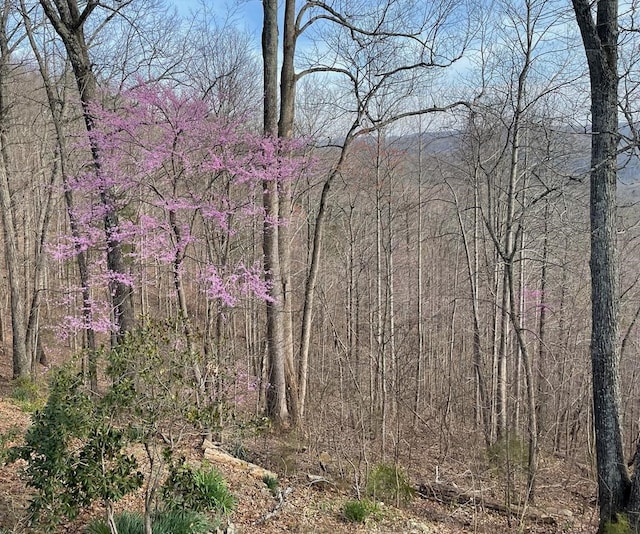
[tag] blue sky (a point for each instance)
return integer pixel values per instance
(243, 13)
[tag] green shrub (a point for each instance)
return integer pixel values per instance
(74, 456)
(515, 452)
(76, 448)
(619, 526)
(358, 511)
(168, 522)
(200, 489)
(151, 371)
(271, 483)
(27, 395)
(389, 483)
(12, 434)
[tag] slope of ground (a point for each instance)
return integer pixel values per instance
(460, 500)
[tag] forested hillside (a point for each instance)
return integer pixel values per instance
(353, 242)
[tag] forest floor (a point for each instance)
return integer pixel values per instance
(464, 497)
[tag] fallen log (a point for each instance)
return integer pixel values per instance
(320, 481)
(450, 494)
(216, 455)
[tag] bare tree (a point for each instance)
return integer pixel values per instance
(69, 21)
(276, 388)
(21, 359)
(617, 492)
(374, 54)
(56, 101)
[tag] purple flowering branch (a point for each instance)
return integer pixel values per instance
(179, 176)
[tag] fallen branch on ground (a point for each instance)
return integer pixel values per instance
(449, 494)
(322, 481)
(281, 497)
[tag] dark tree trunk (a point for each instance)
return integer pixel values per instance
(68, 21)
(600, 38)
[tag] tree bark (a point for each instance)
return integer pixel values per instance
(276, 391)
(285, 200)
(21, 358)
(68, 21)
(57, 114)
(482, 407)
(600, 38)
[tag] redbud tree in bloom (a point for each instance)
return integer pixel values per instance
(185, 183)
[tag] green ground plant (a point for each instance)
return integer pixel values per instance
(126, 523)
(513, 452)
(167, 522)
(358, 511)
(28, 395)
(620, 526)
(11, 435)
(389, 483)
(271, 483)
(197, 488)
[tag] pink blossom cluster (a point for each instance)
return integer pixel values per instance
(98, 317)
(534, 300)
(176, 175)
(246, 388)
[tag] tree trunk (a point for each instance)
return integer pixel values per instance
(502, 378)
(481, 407)
(21, 358)
(68, 22)
(600, 38)
(417, 399)
(381, 349)
(312, 276)
(285, 131)
(276, 392)
(33, 341)
(543, 389)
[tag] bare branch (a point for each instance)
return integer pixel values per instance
(379, 124)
